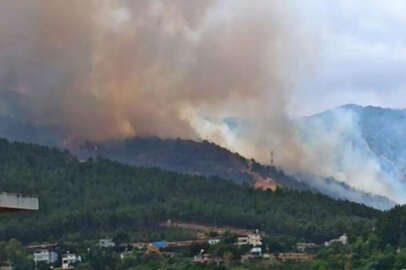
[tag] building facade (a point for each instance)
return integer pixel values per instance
(69, 260)
(254, 240)
(45, 256)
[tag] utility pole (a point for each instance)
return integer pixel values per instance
(272, 158)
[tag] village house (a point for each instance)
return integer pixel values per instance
(45, 256)
(69, 260)
(256, 252)
(205, 258)
(253, 239)
(47, 246)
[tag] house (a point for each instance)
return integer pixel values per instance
(205, 258)
(45, 256)
(292, 256)
(47, 246)
(303, 246)
(256, 252)
(253, 239)
(13, 203)
(343, 239)
(69, 260)
(213, 242)
(106, 243)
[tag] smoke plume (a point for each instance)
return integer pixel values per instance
(104, 69)
(108, 69)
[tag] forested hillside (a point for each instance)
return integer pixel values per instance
(209, 159)
(101, 197)
(181, 156)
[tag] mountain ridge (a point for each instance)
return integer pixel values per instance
(184, 156)
(375, 138)
(208, 159)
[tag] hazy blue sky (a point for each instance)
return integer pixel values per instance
(362, 55)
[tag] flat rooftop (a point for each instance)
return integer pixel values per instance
(14, 202)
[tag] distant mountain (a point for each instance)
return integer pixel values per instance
(384, 130)
(208, 159)
(370, 138)
(187, 157)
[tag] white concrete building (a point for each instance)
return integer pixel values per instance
(254, 240)
(45, 256)
(106, 243)
(256, 251)
(12, 202)
(69, 260)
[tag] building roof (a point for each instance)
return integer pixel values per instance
(13, 202)
(159, 244)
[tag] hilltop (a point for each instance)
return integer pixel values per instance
(187, 157)
(208, 159)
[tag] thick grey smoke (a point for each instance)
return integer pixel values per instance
(105, 69)
(102, 69)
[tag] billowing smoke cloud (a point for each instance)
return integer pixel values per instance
(105, 69)
(102, 69)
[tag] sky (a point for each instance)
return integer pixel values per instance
(362, 55)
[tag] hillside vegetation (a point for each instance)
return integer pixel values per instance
(209, 159)
(100, 197)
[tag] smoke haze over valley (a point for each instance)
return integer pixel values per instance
(226, 71)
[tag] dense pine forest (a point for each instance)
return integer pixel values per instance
(100, 197)
(82, 201)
